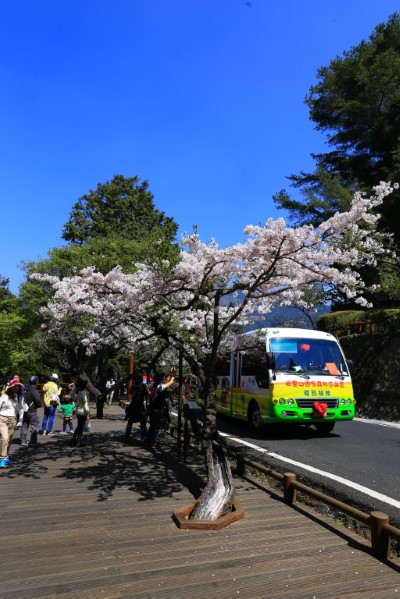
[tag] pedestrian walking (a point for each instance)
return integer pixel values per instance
(19, 398)
(51, 401)
(82, 411)
(158, 406)
(11, 410)
(109, 386)
(136, 410)
(32, 402)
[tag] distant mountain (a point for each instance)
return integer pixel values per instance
(286, 316)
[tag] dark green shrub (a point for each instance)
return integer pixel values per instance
(343, 323)
(339, 322)
(385, 321)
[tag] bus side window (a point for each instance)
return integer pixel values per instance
(254, 364)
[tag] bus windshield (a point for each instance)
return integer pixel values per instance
(313, 356)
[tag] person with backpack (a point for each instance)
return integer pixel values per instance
(82, 411)
(136, 410)
(51, 400)
(32, 402)
(159, 406)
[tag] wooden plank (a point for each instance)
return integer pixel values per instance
(97, 522)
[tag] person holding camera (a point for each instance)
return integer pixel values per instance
(158, 405)
(136, 410)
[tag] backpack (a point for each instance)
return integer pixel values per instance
(54, 397)
(135, 408)
(160, 401)
(31, 400)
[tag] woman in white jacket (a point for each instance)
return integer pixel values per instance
(11, 410)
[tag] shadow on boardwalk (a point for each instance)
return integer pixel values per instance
(105, 465)
(96, 522)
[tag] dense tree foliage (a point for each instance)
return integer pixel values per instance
(17, 355)
(121, 208)
(356, 104)
(7, 299)
(115, 225)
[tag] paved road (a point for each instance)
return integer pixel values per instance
(357, 463)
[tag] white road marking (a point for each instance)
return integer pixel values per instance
(339, 479)
(379, 422)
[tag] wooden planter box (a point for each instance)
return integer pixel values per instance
(182, 521)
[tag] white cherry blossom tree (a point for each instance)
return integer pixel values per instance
(198, 305)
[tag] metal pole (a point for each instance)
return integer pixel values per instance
(180, 403)
(131, 367)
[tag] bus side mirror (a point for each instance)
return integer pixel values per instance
(271, 361)
(350, 364)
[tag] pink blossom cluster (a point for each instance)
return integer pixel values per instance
(197, 301)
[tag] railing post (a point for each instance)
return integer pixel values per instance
(240, 467)
(289, 492)
(379, 540)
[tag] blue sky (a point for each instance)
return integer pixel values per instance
(203, 98)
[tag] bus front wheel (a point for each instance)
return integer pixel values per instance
(254, 416)
(324, 428)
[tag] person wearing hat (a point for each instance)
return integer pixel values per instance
(10, 410)
(50, 400)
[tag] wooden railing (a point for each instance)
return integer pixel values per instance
(381, 531)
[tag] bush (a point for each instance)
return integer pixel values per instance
(386, 321)
(342, 323)
(339, 322)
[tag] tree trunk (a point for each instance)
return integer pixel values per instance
(216, 499)
(89, 385)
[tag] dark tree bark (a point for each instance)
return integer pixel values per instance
(216, 499)
(89, 385)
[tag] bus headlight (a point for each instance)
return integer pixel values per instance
(282, 401)
(290, 402)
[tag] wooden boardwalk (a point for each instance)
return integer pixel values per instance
(95, 522)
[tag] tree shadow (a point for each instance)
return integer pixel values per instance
(105, 465)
